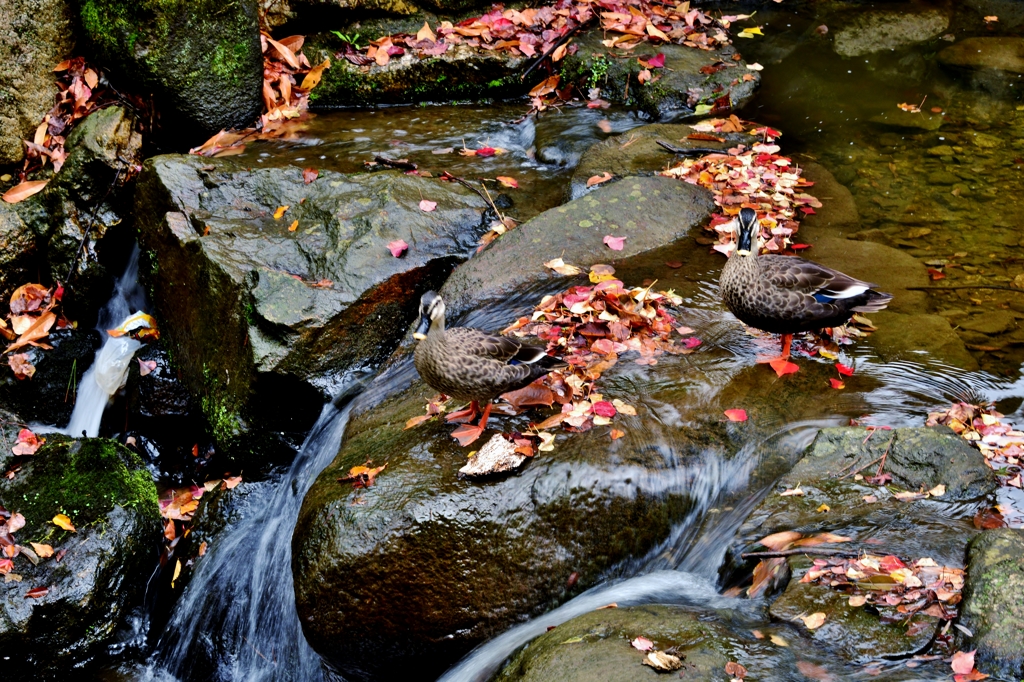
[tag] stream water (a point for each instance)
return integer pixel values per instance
(236, 619)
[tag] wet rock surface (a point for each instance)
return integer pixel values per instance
(103, 568)
(993, 605)
(889, 29)
(87, 197)
(202, 60)
(30, 48)
(255, 309)
(650, 212)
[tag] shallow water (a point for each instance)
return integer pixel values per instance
(955, 212)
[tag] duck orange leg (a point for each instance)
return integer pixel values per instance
(463, 416)
(468, 433)
(787, 343)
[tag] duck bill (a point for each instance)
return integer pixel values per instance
(743, 242)
(422, 328)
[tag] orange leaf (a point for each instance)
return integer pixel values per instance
(24, 190)
(736, 415)
(426, 34)
(44, 551)
(28, 443)
(617, 434)
(598, 179)
(64, 522)
(783, 367)
(837, 384)
(286, 54)
(506, 181)
(294, 226)
(416, 421)
(780, 541)
(312, 78)
(280, 212)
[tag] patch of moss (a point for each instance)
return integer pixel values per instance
(82, 478)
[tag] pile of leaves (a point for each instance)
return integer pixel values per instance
(757, 178)
(80, 94)
(544, 31)
(285, 97)
(31, 316)
(1001, 444)
(177, 507)
(896, 589)
(11, 523)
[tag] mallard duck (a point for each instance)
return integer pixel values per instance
(785, 294)
(469, 364)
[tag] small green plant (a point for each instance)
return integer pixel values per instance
(352, 40)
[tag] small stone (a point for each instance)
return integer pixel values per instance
(942, 178)
(990, 322)
(941, 150)
(1018, 281)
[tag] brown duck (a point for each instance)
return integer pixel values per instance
(787, 295)
(469, 364)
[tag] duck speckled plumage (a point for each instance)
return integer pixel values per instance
(785, 294)
(468, 364)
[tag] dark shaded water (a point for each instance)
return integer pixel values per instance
(238, 608)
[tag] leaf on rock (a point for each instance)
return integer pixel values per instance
(428, 206)
(44, 551)
(736, 415)
(280, 212)
(616, 434)
(37, 593)
(814, 621)
(790, 492)
(21, 366)
(778, 641)
(533, 394)
(309, 175)
(27, 443)
(642, 644)
(24, 190)
(659, 660)
(735, 669)
(614, 243)
(398, 247)
(312, 78)
(426, 34)
(62, 521)
(562, 268)
(781, 540)
(363, 476)
(598, 179)
(146, 366)
(963, 662)
(294, 226)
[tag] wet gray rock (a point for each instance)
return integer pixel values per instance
(35, 36)
(106, 564)
(994, 64)
(650, 212)
(838, 216)
(17, 251)
(86, 196)
(993, 605)
(254, 312)
(200, 58)
(918, 336)
(890, 29)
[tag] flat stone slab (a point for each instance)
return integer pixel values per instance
(889, 29)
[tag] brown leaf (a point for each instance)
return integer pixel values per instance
(659, 660)
(534, 394)
(312, 78)
(24, 190)
(44, 551)
(735, 669)
(426, 34)
(780, 541)
(309, 175)
(21, 366)
(814, 621)
(285, 53)
(598, 179)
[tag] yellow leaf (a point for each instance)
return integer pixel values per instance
(824, 508)
(778, 641)
(280, 212)
(294, 226)
(312, 78)
(750, 32)
(562, 268)
(64, 522)
(177, 572)
(858, 600)
(813, 621)
(937, 491)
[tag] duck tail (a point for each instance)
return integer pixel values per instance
(536, 355)
(872, 301)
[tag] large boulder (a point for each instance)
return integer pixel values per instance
(993, 606)
(76, 228)
(200, 58)
(264, 321)
(989, 63)
(97, 573)
(35, 36)
(885, 30)
(650, 212)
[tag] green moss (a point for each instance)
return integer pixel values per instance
(82, 478)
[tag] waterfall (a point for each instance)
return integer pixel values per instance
(110, 367)
(237, 613)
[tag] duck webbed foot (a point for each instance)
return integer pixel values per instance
(465, 415)
(787, 343)
(468, 433)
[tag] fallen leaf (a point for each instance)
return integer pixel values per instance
(844, 370)
(643, 76)
(837, 384)
(792, 491)
(604, 125)
(755, 67)
(507, 181)
(15, 523)
(202, 548)
(750, 32)
(781, 540)
(778, 641)
(963, 662)
(177, 573)
(655, 62)
(487, 151)
(37, 593)
(363, 476)
(814, 621)
(314, 75)
(280, 212)
(24, 190)
(614, 243)
(417, 420)
(991, 18)
(64, 522)
(823, 508)
(44, 551)
(858, 600)
(659, 660)
(230, 482)
(937, 491)
(27, 443)
(616, 434)
(598, 179)
(21, 366)
(398, 247)
(294, 226)
(642, 644)
(736, 415)
(426, 34)
(427, 205)
(783, 367)
(146, 366)
(735, 669)
(562, 268)
(309, 175)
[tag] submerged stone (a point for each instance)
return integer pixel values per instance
(993, 606)
(882, 30)
(201, 59)
(264, 321)
(104, 567)
(997, 53)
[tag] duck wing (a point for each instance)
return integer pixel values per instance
(811, 279)
(482, 344)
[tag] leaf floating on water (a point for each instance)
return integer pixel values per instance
(398, 247)
(616, 434)
(844, 370)
(837, 384)
(736, 415)
(507, 181)
(750, 32)
(736, 670)
(783, 367)
(778, 641)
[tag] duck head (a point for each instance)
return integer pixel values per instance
(431, 314)
(748, 233)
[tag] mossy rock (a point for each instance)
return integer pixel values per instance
(200, 58)
(265, 323)
(87, 194)
(680, 88)
(993, 606)
(110, 497)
